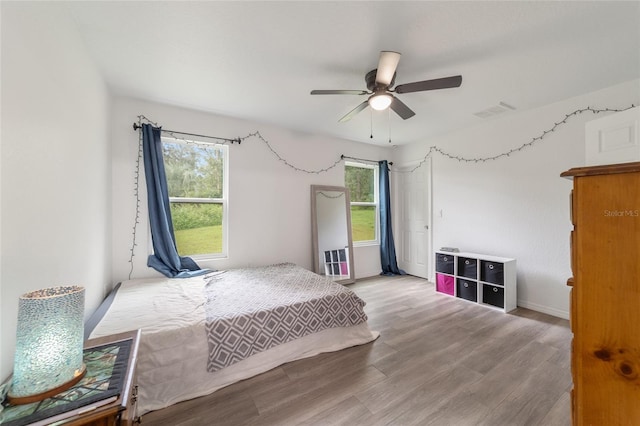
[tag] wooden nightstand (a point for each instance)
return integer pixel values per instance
(123, 410)
(106, 396)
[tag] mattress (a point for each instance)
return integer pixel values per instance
(174, 352)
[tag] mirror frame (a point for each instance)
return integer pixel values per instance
(315, 189)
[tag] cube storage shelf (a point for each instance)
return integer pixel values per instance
(486, 280)
(336, 263)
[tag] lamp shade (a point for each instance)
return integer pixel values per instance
(49, 340)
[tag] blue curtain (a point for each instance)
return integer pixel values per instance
(387, 247)
(165, 258)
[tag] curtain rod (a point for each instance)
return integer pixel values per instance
(363, 159)
(136, 126)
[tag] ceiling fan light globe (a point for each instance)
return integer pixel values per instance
(380, 101)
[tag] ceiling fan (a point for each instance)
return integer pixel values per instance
(380, 84)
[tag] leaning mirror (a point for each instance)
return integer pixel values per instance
(331, 229)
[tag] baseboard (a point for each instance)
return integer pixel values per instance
(367, 274)
(544, 309)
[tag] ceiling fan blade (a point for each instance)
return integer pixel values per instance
(354, 111)
(438, 83)
(401, 109)
(387, 65)
(339, 92)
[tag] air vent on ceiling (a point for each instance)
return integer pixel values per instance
(501, 108)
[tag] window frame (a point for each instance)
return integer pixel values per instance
(224, 200)
(375, 203)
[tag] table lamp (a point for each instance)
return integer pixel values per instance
(49, 342)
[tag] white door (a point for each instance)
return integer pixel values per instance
(414, 202)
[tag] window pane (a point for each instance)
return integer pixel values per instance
(359, 180)
(193, 170)
(197, 227)
(363, 223)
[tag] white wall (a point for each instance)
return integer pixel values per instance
(269, 202)
(55, 159)
(516, 206)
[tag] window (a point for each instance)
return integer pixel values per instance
(362, 181)
(197, 184)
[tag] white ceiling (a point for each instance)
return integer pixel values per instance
(259, 60)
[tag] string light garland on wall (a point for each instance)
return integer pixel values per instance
(325, 195)
(432, 150)
(257, 135)
(136, 192)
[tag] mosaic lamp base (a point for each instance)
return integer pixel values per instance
(28, 399)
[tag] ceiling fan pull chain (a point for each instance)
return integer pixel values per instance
(371, 124)
(389, 123)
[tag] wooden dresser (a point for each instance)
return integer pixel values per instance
(605, 298)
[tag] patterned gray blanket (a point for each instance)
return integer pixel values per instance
(251, 310)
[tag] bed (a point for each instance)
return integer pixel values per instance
(203, 333)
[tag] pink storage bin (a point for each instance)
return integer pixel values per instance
(445, 284)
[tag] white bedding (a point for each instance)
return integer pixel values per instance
(173, 354)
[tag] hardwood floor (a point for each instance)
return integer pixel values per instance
(438, 361)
